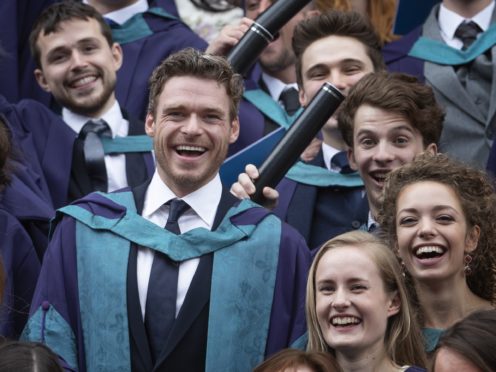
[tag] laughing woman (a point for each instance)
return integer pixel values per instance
(357, 307)
(441, 218)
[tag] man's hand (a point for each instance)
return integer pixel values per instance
(245, 187)
(228, 37)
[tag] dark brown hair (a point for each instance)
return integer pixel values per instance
(475, 192)
(336, 23)
(27, 357)
(317, 361)
(396, 93)
(474, 338)
(50, 19)
(191, 62)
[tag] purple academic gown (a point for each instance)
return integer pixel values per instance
(17, 79)
(57, 288)
(22, 267)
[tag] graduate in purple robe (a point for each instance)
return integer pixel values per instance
(17, 256)
(238, 272)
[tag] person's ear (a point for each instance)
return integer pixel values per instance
(150, 125)
(42, 81)
(351, 159)
(394, 305)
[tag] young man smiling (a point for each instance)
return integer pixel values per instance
(341, 48)
(118, 290)
(77, 63)
(386, 120)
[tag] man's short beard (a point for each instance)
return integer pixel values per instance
(285, 60)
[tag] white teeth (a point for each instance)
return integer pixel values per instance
(429, 249)
(190, 148)
(345, 320)
(85, 80)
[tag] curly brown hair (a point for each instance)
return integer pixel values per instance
(192, 62)
(476, 195)
(397, 93)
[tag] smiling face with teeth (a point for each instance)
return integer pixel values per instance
(352, 305)
(78, 66)
(382, 141)
(192, 129)
(432, 232)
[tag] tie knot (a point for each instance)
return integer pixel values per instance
(177, 208)
(290, 100)
(98, 126)
(340, 162)
(467, 32)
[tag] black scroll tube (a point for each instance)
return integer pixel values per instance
(297, 138)
(262, 32)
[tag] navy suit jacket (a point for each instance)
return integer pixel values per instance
(320, 213)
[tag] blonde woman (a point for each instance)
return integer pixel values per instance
(357, 308)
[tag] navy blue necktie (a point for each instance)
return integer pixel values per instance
(94, 155)
(340, 161)
(290, 100)
(162, 288)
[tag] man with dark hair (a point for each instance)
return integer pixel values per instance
(219, 288)
(77, 63)
(339, 47)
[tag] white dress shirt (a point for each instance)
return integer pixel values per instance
(115, 164)
(120, 16)
(203, 203)
(328, 152)
(449, 22)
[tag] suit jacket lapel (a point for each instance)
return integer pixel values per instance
(199, 291)
(492, 103)
(443, 77)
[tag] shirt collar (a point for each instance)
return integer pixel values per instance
(371, 222)
(276, 86)
(120, 16)
(449, 20)
(113, 117)
(203, 201)
(328, 152)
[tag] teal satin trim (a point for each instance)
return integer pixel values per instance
(104, 311)
(301, 342)
(438, 52)
(55, 332)
(136, 27)
(321, 177)
(270, 108)
(240, 306)
(431, 338)
(123, 145)
(137, 229)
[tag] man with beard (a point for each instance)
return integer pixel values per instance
(219, 288)
(77, 63)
